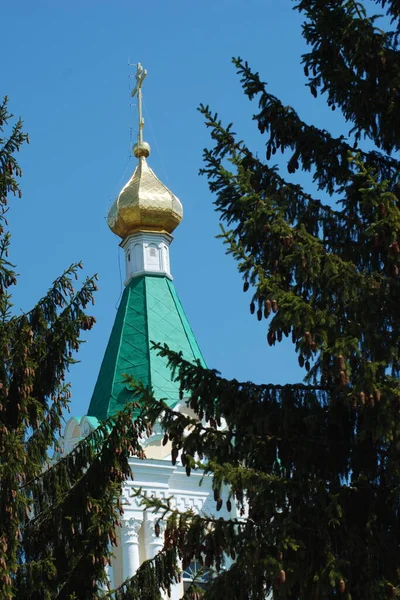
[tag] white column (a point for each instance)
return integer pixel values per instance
(154, 530)
(130, 546)
(154, 542)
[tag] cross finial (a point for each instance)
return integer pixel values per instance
(140, 76)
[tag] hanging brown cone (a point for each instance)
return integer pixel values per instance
(308, 338)
(362, 398)
(303, 262)
(371, 400)
(287, 241)
(340, 363)
(165, 439)
(157, 529)
(392, 591)
(282, 576)
(382, 209)
(394, 270)
(378, 395)
(279, 335)
(342, 379)
(271, 337)
(301, 360)
(274, 305)
(252, 307)
(174, 455)
(246, 286)
(259, 314)
(342, 586)
(267, 308)
(307, 365)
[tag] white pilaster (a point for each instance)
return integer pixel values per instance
(130, 545)
(147, 252)
(154, 530)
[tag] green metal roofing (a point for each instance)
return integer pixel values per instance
(150, 311)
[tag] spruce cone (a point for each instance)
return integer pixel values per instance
(342, 586)
(340, 363)
(342, 379)
(271, 337)
(174, 455)
(282, 576)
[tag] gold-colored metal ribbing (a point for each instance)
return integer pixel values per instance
(145, 203)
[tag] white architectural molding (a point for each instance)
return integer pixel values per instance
(147, 253)
(156, 478)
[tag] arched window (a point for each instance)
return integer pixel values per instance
(198, 574)
(153, 257)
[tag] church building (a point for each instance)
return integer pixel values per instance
(144, 216)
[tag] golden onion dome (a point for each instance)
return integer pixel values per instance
(145, 203)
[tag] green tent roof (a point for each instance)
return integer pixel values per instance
(150, 311)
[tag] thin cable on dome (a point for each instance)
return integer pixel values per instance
(129, 155)
(156, 145)
(120, 279)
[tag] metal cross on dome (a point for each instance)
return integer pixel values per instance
(140, 76)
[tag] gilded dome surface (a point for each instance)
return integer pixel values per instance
(144, 204)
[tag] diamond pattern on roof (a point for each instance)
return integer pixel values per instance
(150, 311)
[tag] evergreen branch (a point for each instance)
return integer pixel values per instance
(313, 148)
(155, 573)
(357, 64)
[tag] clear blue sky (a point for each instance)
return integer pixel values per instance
(65, 68)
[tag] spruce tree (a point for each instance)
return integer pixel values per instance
(314, 468)
(58, 519)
